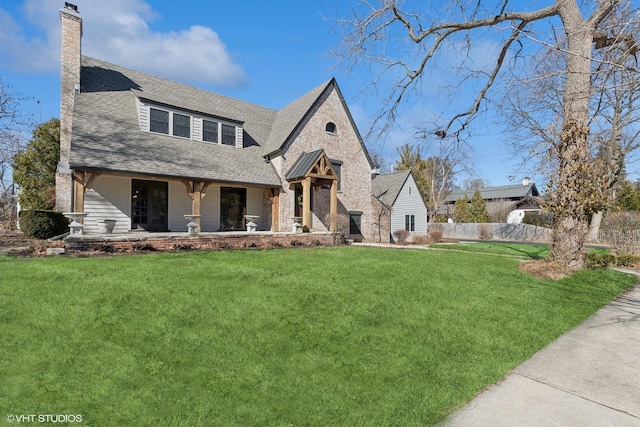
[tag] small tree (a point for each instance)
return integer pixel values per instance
(34, 170)
(461, 210)
(478, 209)
(628, 197)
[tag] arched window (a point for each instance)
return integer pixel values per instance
(331, 127)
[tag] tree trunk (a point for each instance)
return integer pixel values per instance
(570, 231)
(594, 228)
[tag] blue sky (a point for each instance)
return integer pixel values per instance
(267, 53)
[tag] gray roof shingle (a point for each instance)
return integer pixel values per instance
(387, 187)
(106, 134)
(493, 193)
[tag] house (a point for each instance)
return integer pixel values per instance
(399, 193)
(507, 202)
(146, 151)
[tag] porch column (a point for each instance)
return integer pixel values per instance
(306, 204)
(78, 192)
(275, 209)
(196, 190)
(82, 181)
(334, 205)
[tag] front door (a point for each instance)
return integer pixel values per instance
(149, 205)
(233, 207)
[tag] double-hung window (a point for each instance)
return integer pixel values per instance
(410, 222)
(181, 125)
(159, 121)
(210, 131)
(228, 135)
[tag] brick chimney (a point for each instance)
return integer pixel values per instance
(71, 23)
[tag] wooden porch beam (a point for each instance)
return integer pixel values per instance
(196, 191)
(306, 204)
(275, 210)
(333, 210)
(82, 181)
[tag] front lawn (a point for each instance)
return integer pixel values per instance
(315, 336)
(524, 250)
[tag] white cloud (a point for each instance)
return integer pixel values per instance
(117, 31)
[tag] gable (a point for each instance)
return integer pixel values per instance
(315, 165)
(292, 120)
(386, 188)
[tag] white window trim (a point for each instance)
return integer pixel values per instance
(171, 113)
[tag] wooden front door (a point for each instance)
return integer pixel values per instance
(149, 205)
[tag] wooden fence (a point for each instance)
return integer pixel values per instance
(493, 231)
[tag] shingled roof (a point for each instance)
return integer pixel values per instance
(387, 187)
(107, 137)
(508, 192)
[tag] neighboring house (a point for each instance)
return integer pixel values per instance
(508, 202)
(399, 193)
(145, 151)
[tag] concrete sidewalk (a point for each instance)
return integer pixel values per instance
(588, 377)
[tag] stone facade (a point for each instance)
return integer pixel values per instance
(380, 221)
(71, 23)
(344, 146)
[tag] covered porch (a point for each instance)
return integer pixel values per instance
(313, 170)
(167, 204)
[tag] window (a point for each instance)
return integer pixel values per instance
(355, 223)
(410, 222)
(331, 127)
(209, 131)
(159, 121)
(337, 166)
(181, 125)
(228, 135)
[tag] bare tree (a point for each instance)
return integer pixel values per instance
(440, 170)
(373, 33)
(12, 124)
(614, 117)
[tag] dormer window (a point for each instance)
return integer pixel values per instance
(228, 135)
(159, 121)
(209, 131)
(331, 127)
(181, 125)
(191, 125)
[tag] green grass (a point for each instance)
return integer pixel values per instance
(320, 336)
(525, 250)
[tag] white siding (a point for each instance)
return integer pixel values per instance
(409, 202)
(110, 198)
(254, 205)
(143, 115)
(197, 129)
(239, 137)
(180, 205)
